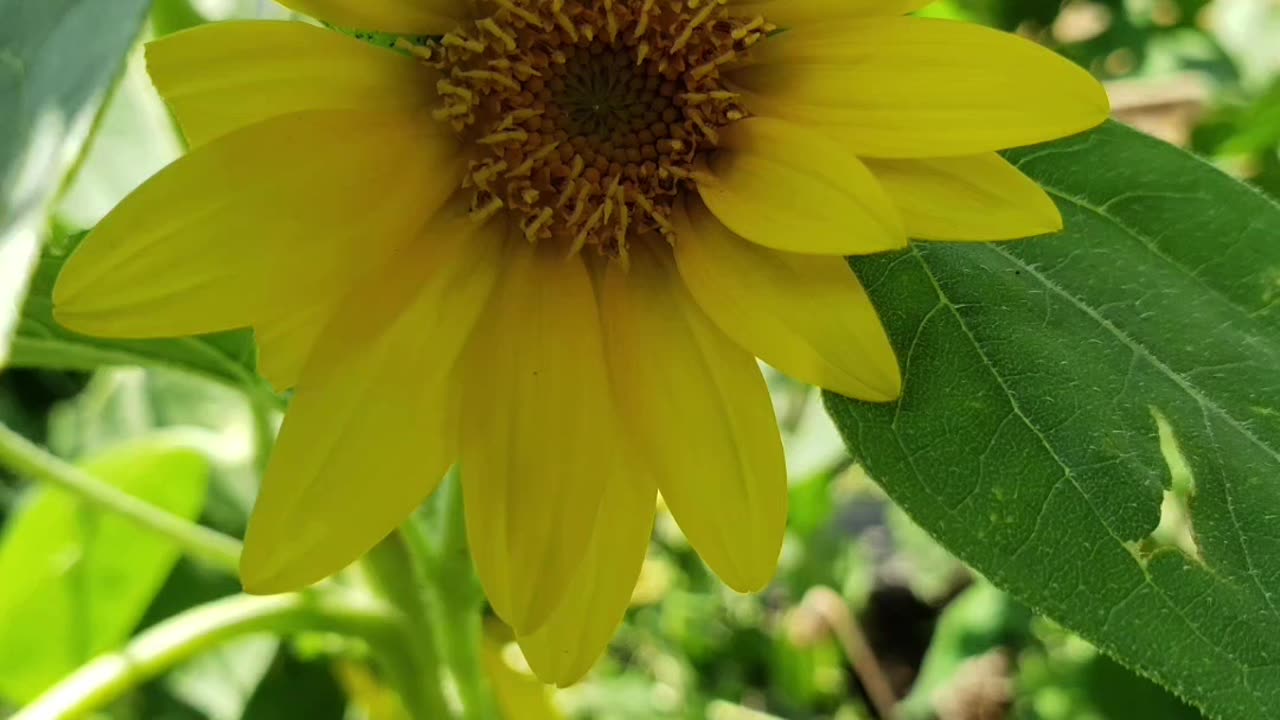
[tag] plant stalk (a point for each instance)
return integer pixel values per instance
(29, 460)
(187, 634)
(452, 596)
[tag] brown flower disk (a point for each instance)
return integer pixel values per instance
(588, 115)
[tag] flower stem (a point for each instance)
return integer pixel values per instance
(29, 460)
(833, 610)
(452, 595)
(183, 636)
(390, 574)
(264, 432)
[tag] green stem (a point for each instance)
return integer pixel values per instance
(27, 459)
(452, 596)
(264, 431)
(183, 636)
(391, 574)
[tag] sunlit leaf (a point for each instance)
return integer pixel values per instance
(221, 682)
(58, 59)
(135, 137)
(76, 580)
(1037, 375)
(120, 404)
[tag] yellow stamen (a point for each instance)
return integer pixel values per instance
(498, 138)
(692, 25)
(482, 176)
(533, 228)
(421, 52)
(490, 26)
(586, 118)
(488, 76)
(462, 41)
(525, 167)
(520, 12)
(487, 210)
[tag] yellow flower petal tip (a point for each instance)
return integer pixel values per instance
(273, 584)
(262, 575)
(751, 580)
(77, 305)
(273, 566)
(1047, 221)
(77, 319)
(267, 585)
(883, 387)
(906, 87)
(699, 411)
(559, 267)
(805, 315)
(538, 432)
(595, 600)
(966, 198)
(275, 560)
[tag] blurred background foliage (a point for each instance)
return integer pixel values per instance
(866, 610)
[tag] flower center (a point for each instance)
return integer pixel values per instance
(588, 115)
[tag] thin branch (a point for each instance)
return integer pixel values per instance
(29, 460)
(452, 595)
(835, 613)
(187, 634)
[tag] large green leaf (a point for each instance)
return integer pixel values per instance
(1041, 378)
(120, 404)
(134, 139)
(77, 580)
(58, 59)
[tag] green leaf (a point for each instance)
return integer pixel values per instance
(170, 16)
(221, 682)
(1038, 375)
(76, 581)
(58, 59)
(118, 405)
(294, 687)
(40, 342)
(134, 139)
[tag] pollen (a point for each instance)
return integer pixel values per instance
(585, 117)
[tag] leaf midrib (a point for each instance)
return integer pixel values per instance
(1149, 244)
(943, 299)
(1138, 348)
(1184, 383)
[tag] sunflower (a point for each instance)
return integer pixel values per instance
(547, 240)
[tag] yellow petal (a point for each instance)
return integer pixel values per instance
(786, 187)
(223, 76)
(373, 422)
(538, 433)
(286, 337)
(519, 695)
(913, 87)
(972, 197)
(408, 17)
(805, 315)
(700, 414)
(575, 635)
(278, 216)
(791, 13)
